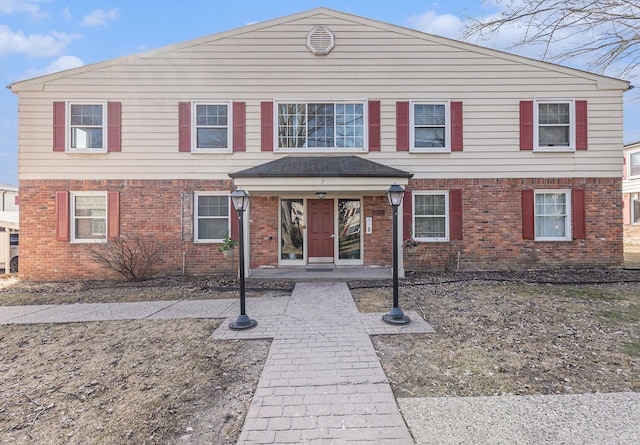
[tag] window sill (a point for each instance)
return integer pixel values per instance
(320, 150)
(208, 151)
(430, 150)
(554, 150)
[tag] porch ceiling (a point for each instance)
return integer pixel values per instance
(320, 173)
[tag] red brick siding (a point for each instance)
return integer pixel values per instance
(492, 228)
(147, 209)
(377, 244)
(264, 224)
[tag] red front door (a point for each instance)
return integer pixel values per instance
(320, 230)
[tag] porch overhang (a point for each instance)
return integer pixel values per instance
(310, 174)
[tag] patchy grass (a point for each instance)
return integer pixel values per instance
(512, 338)
(124, 382)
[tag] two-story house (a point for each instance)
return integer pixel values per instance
(631, 192)
(507, 162)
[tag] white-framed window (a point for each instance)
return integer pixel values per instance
(212, 223)
(430, 126)
(212, 126)
(634, 164)
(87, 122)
(555, 125)
(552, 211)
(430, 216)
(88, 217)
(321, 126)
(635, 208)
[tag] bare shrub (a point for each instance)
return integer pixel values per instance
(133, 258)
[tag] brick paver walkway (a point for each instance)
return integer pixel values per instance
(322, 381)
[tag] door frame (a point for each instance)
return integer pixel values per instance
(336, 254)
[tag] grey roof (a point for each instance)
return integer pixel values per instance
(321, 166)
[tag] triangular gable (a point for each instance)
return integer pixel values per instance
(318, 14)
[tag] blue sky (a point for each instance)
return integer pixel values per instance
(38, 37)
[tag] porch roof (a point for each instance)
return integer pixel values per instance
(320, 173)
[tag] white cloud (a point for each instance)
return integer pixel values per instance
(60, 64)
(23, 6)
(446, 25)
(100, 17)
(66, 13)
(37, 45)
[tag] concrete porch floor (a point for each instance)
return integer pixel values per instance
(318, 272)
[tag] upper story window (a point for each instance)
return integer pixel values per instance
(555, 125)
(552, 215)
(212, 222)
(319, 126)
(211, 127)
(430, 127)
(87, 123)
(634, 164)
(430, 216)
(88, 216)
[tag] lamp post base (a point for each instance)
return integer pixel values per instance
(396, 316)
(243, 322)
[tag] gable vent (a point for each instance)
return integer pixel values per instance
(320, 40)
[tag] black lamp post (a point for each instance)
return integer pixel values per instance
(240, 200)
(395, 316)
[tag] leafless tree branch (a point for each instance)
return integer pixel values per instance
(607, 31)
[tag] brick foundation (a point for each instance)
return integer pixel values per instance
(492, 228)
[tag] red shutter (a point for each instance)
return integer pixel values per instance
(59, 109)
(579, 214)
(239, 136)
(402, 126)
(456, 126)
(114, 118)
(113, 215)
(184, 126)
(455, 214)
(266, 124)
(526, 125)
(374, 125)
(62, 216)
(233, 221)
(407, 214)
(581, 125)
(528, 214)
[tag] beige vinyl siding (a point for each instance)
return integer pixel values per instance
(370, 61)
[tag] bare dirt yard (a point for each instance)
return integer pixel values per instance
(165, 381)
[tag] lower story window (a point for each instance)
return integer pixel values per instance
(552, 215)
(431, 216)
(635, 208)
(89, 216)
(211, 217)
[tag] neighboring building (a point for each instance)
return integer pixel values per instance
(9, 225)
(507, 162)
(9, 198)
(631, 192)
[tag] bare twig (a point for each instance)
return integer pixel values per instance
(42, 409)
(608, 31)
